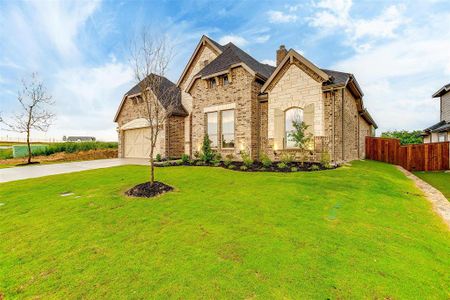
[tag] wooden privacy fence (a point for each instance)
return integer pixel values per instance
(416, 157)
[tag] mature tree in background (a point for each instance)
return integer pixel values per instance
(150, 58)
(406, 137)
(34, 110)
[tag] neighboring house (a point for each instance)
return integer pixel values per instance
(244, 105)
(440, 132)
(79, 139)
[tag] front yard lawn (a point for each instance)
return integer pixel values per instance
(363, 231)
(439, 180)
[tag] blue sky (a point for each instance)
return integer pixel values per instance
(399, 51)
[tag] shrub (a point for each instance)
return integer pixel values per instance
(217, 159)
(228, 159)
(166, 164)
(217, 164)
(262, 169)
(281, 165)
(287, 158)
(265, 160)
(243, 168)
(314, 168)
(294, 169)
(231, 167)
(185, 158)
(199, 163)
(207, 154)
(325, 160)
(246, 159)
(158, 157)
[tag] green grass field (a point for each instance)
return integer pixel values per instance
(357, 232)
(439, 180)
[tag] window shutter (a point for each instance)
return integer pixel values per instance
(278, 129)
(308, 118)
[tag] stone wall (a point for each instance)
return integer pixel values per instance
(206, 53)
(365, 129)
(351, 130)
(241, 93)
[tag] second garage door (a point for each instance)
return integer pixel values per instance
(137, 143)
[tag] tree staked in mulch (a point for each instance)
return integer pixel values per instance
(148, 190)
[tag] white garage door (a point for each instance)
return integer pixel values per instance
(137, 143)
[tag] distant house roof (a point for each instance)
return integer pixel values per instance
(80, 138)
(441, 126)
(167, 92)
(233, 55)
(443, 90)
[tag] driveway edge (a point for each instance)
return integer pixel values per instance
(440, 203)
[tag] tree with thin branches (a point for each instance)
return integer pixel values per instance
(150, 58)
(34, 110)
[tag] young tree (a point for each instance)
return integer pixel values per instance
(299, 135)
(150, 57)
(34, 114)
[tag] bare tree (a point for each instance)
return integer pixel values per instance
(34, 114)
(150, 58)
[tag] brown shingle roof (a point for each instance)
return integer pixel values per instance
(233, 55)
(168, 88)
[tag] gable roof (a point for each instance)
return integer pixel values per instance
(443, 90)
(289, 56)
(233, 55)
(166, 92)
(204, 40)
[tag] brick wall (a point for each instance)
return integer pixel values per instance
(241, 92)
(174, 137)
(206, 53)
(351, 130)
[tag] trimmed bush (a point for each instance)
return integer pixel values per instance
(244, 168)
(265, 160)
(185, 158)
(281, 165)
(73, 147)
(314, 168)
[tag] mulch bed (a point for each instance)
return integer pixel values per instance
(148, 190)
(256, 166)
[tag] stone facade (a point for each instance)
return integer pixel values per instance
(174, 137)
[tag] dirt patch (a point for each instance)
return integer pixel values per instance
(63, 156)
(440, 204)
(148, 190)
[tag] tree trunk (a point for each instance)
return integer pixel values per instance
(29, 147)
(152, 167)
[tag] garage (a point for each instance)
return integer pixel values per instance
(137, 143)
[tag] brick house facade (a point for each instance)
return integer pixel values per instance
(244, 105)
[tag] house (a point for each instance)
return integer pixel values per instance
(79, 139)
(440, 132)
(245, 105)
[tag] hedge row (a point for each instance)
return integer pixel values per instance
(70, 147)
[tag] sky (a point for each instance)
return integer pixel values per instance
(399, 51)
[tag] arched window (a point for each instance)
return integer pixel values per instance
(291, 115)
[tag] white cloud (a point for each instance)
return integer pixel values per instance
(399, 75)
(332, 16)
(87, 98)
(269, 62)
(276, 16)
(235, 39)
(262, 38)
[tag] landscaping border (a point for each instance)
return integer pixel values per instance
(440, 203)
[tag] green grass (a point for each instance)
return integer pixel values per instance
(439, 180)
(356, 232)
(6, 153)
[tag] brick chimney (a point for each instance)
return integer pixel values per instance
(281, 54)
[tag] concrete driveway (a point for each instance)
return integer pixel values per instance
(33, 171)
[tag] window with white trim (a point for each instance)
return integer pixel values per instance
(442, 137)
(227, 128)
(290, 116)
(212, 128)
